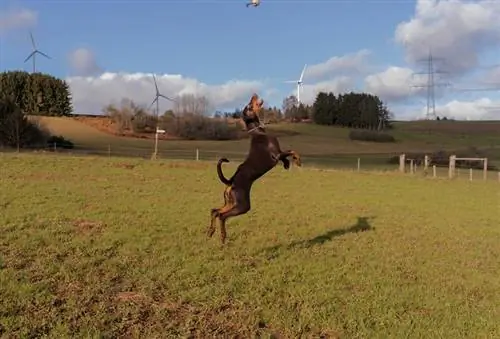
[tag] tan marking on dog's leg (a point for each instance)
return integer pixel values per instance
(296, 158)
(229, 201)
(216, 211)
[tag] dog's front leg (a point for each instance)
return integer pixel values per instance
(286, 163)
(295, 156)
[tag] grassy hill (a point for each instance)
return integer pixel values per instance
(319, 144)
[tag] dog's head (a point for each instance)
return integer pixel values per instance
(251, 111)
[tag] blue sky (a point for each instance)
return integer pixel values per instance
(226, 50)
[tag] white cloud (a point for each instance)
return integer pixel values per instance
(394, 84)
(12, 19)
(492, 77)
(336, 85)
(329, 73)
(480, 109)
(457, 31)
(348, 63)
(91, 94)
(83, 62)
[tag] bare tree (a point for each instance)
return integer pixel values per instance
(290, 106)
(192, 104)
(124, 115)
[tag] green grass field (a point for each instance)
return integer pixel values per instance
(95, 247)
(319, 145)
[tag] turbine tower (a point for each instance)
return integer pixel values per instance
(34, 53)
(156, 99)
(299, 83)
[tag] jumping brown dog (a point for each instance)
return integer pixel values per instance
(265, 153)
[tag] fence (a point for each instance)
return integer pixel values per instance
(452, 171)
(356, 162)
(347, 161)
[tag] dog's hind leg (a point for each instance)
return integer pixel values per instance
(215, 212)
(211, 228)
(241, 206)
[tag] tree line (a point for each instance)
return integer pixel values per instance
(353, 110)
(37, 93)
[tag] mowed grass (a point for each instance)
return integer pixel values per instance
(107, 247)
(323, 145)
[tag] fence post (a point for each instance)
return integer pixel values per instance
(470, 174)
(451, 169)
(197, 154)
(359, 164)
(55, 146)
(433, 171)
(109, 150)
(402, 163)
(485, 168)
(426, 163)
(411, 166)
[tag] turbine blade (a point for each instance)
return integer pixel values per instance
(41, 53)
(30, 56)
(154, 100)
(163, 96)
(156, 86)
(32, 40)
(290, 81)
(302, 74)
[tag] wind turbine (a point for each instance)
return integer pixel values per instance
(298, 82)
(156, 99)
(34, 53)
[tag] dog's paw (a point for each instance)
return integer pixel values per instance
(210, 232)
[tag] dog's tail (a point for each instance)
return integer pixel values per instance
(220, 174)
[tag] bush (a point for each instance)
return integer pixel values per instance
(143, 123)
(198, 127)
(371, 136)
(59, 142)
(16, 130)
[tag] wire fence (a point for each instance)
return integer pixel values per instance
(356, 162)
(347, 161)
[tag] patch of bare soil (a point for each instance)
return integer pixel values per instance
(125, 166)
(189, 321)
(106, 125)
(184, 165)
(87, 226)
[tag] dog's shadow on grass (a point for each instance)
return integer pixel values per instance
(362, 224)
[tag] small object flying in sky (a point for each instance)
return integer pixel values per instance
(253, 3)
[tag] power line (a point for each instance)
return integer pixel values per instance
(431, 84)
(489, 86)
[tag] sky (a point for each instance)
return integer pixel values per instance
(108, 50)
